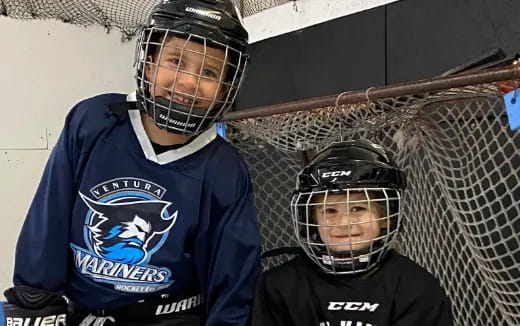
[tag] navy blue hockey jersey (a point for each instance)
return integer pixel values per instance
(112, 222)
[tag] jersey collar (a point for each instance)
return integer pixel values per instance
(174, 154)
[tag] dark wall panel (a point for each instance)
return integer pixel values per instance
(427, 37)
(406, 40)
(343, 54)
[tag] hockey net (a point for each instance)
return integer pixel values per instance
(462, 204)
(124, 15)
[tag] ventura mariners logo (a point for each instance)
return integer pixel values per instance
(126, 224)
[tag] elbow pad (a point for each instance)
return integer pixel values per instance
(27, 306)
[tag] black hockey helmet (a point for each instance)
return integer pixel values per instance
(362, 178)
(212, 24)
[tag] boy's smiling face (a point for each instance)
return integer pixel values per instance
(188, 73)
(347, 223)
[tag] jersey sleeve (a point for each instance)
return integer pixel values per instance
(422, 304)
(228, 255)
(42, 248)
(266, 309)
(426, 313)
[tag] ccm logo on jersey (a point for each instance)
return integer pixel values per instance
(53, 320)
(348, 323)
(353, 306)
(336, 174)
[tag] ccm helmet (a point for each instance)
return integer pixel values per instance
(346, 206)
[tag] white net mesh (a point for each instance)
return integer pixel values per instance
(462, 204)
(125, 15)
(251, 7)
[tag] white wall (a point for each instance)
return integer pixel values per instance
(303, 13)
(45, 68)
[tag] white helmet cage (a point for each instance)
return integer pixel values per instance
(356, 227)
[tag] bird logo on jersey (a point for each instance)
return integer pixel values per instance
(126, 223)
(124, 231)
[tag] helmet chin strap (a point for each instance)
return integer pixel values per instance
(349, 261)
(175, 120)
(165, 103)
(340, 258)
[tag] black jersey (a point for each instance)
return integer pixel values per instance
(398, 293)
